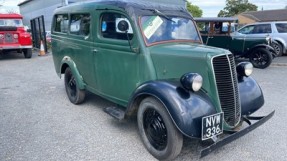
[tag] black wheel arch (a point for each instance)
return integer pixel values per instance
(185, 108)
(251, 95)
(263, 46)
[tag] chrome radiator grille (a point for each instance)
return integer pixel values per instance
(227, 86)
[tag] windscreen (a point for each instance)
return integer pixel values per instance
(11, 22)
(158, 28)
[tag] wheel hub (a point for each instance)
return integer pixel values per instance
(155, 129)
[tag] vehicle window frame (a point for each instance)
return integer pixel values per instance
(261, 28)
(285, 24)
(55, 21)
(167, 41)
(70, 24)
(131, 36)
(244, 28)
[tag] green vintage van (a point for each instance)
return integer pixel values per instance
(148, 58)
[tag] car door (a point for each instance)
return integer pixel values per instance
(116, 65)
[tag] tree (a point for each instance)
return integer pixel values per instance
(234, 7)
(194, 10)
(11, 11)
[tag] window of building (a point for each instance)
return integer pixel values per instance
(62, 23)
(80, 24)
(109, 29)
(281, 27)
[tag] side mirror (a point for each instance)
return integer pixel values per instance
(123, 26)
(28, 30)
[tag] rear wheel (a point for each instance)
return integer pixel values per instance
(76, 95)
(260, 58)
(278, 48)
(27, 53)
(158, 132)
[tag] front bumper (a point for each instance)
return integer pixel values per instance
(237, 134)
(12, 47)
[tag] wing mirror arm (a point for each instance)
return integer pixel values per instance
(124, 27)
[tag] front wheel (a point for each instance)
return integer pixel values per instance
(76, 95)
(158, 132)
(260, 58)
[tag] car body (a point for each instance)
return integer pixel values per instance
(148, 59)
(277, 30)
(257, 49)
(13, 36)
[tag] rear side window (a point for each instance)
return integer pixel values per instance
(281, 27)
(62, 23)
(256, 29)
(262, 29)
(109, 27)
(80, 24)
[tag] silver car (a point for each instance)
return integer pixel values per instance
(276, 30)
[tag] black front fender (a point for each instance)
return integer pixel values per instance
(186, 108)
(267, 47)
(251, 95)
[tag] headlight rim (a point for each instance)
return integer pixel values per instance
(188, 81)
(242, 69)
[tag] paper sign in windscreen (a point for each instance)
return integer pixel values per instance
(153, 24)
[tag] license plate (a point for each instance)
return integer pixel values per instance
(212, 125)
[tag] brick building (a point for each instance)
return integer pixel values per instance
(262, 16)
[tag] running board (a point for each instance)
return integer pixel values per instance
(116, 112)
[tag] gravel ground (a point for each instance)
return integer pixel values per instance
(37, 121)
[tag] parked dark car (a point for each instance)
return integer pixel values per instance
(257, 49)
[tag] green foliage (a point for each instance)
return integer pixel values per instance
(234, 7)
(194, 10)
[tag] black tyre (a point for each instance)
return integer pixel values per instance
(76, 95)
(260, 58)
(27, 53)
(278, 48)
(158, 133)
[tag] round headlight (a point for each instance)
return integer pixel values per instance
(15, 36)
(191, 81)
(244, 69)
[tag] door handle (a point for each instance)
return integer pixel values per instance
(95, 50)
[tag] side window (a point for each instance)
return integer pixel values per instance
(281, 27)
(247, 30)
(262, 29)
(109, 26)
(62, 23)
(80, 24)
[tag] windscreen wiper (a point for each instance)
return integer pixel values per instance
(161, 14)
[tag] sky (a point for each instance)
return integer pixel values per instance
(210, 7)
(9, 5)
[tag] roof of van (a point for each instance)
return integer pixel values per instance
(8, 16)
(132, 7)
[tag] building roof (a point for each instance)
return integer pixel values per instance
(24, 2)
(267, 15)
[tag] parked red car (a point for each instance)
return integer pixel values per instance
(13, 36)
